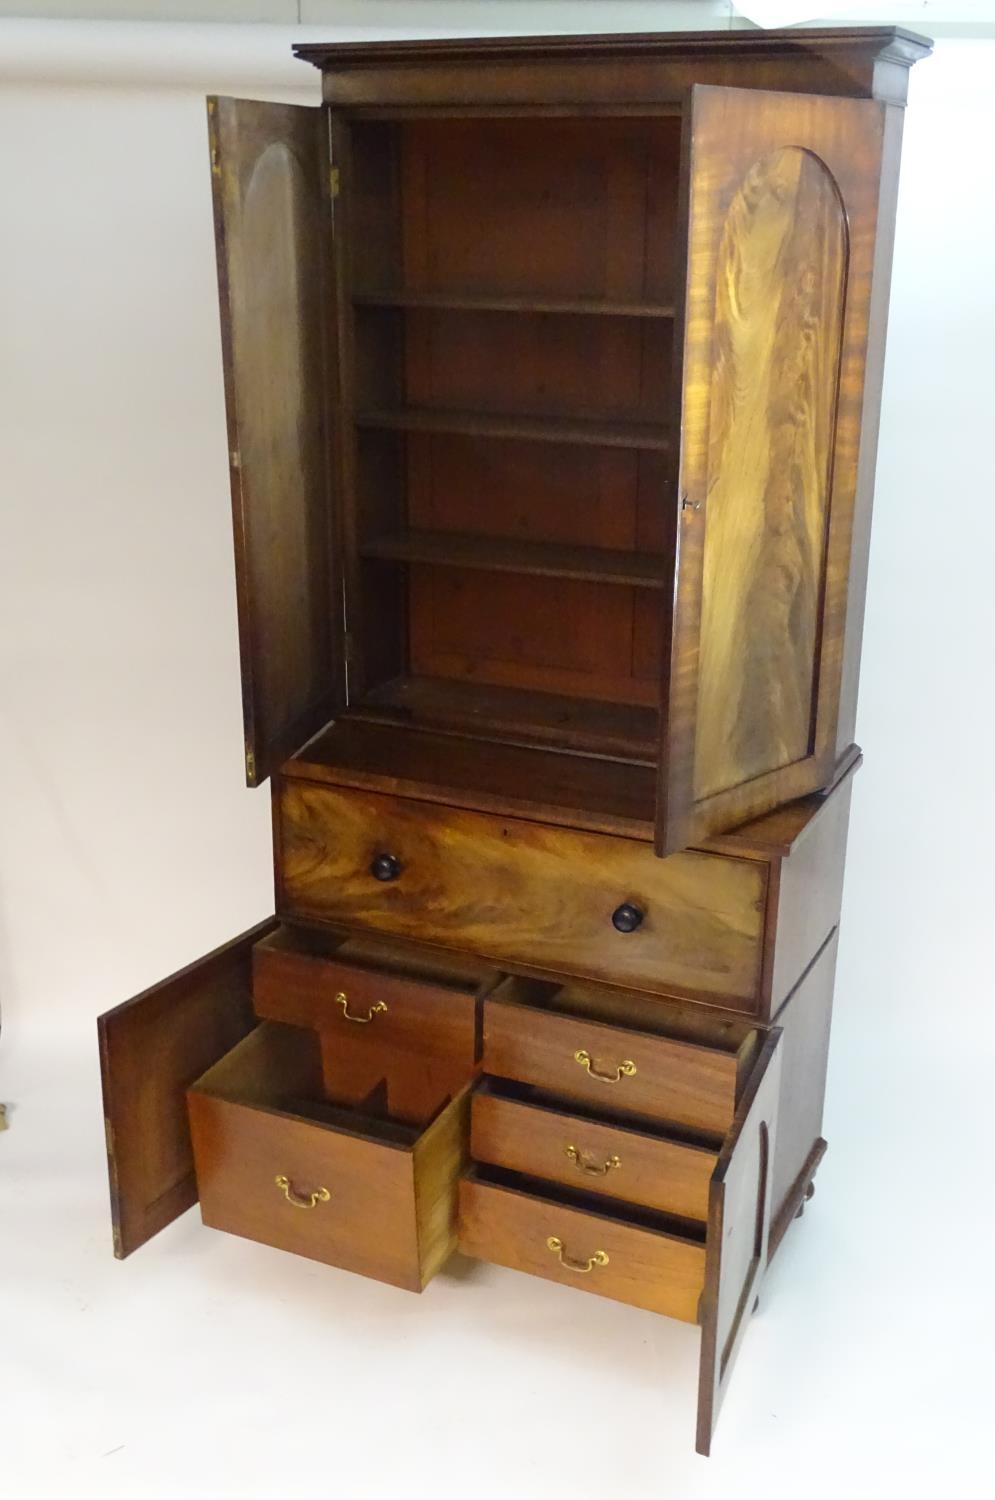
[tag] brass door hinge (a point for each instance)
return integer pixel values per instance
(212, 133)
(333, 182)
(250, 765)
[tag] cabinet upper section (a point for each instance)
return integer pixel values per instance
(552, 427)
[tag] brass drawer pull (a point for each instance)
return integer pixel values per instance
(380, 1009)
(625, 1069)
(587, 1163)
(599, 1258)
(310, 1200)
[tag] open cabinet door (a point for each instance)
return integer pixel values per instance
(271, 181)
(151, 1049)
(782, 195)
(739, 1214)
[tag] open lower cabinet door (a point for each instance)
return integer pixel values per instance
(151, 1049)
(272, 215)
(782, 195)
(739, 1215)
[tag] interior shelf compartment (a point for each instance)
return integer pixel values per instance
(642, 435)
(618, 730)
(510, 555)
(535, 781)
(498, 302)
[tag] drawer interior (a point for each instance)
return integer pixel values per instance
(649, 1260)
(672, 1225)
(398, 1028)
(367, 950)
(535, 1034)
(278, 1069)
(654, 1015)
(352, 1187)
(525, 1130)
(550, 1104)
(657, 1015)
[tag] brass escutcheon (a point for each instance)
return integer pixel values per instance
(586, 1163)
(380, 1009)
(299, 1200)
(599, 1258)
(626, 1069)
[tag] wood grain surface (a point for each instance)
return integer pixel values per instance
(614, 71)
(779, 282)
(390, 1195)
(669, 1080)
(599, 1156)
(739, 1217)
(782, 207)
(648, 1268)
(269, 173)
(151, 1048)
(526, 891)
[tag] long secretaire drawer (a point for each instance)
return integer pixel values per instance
(558, 899)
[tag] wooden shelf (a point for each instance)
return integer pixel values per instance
(481, 302)
(596, 434)
(508, 555)
(476, 710)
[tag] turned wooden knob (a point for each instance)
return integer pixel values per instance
(626, 918)
(385, 867)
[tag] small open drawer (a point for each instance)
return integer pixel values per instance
(386, 1014)
(631, 1256)
(617, 1246)
(276, 1163)
(537, 1034)
(348, 984)
(525, 1131)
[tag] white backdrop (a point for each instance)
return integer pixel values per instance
(206, 1366)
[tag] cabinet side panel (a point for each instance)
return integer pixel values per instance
(810, 893)
(805, 1020)
(876, 331)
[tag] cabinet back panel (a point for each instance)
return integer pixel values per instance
(538, 492)
(539, 364)
(551, 634)
(568, 207)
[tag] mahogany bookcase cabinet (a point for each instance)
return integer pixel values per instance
(553, 372)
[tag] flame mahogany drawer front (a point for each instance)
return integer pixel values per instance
(585, 904)
(612, 1067)
(276, 1164)
(635, 1259)
(538, 1139)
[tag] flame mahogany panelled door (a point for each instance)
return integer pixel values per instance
(782, 204)
(269, 171)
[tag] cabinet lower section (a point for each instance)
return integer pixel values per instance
(374, 1106)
